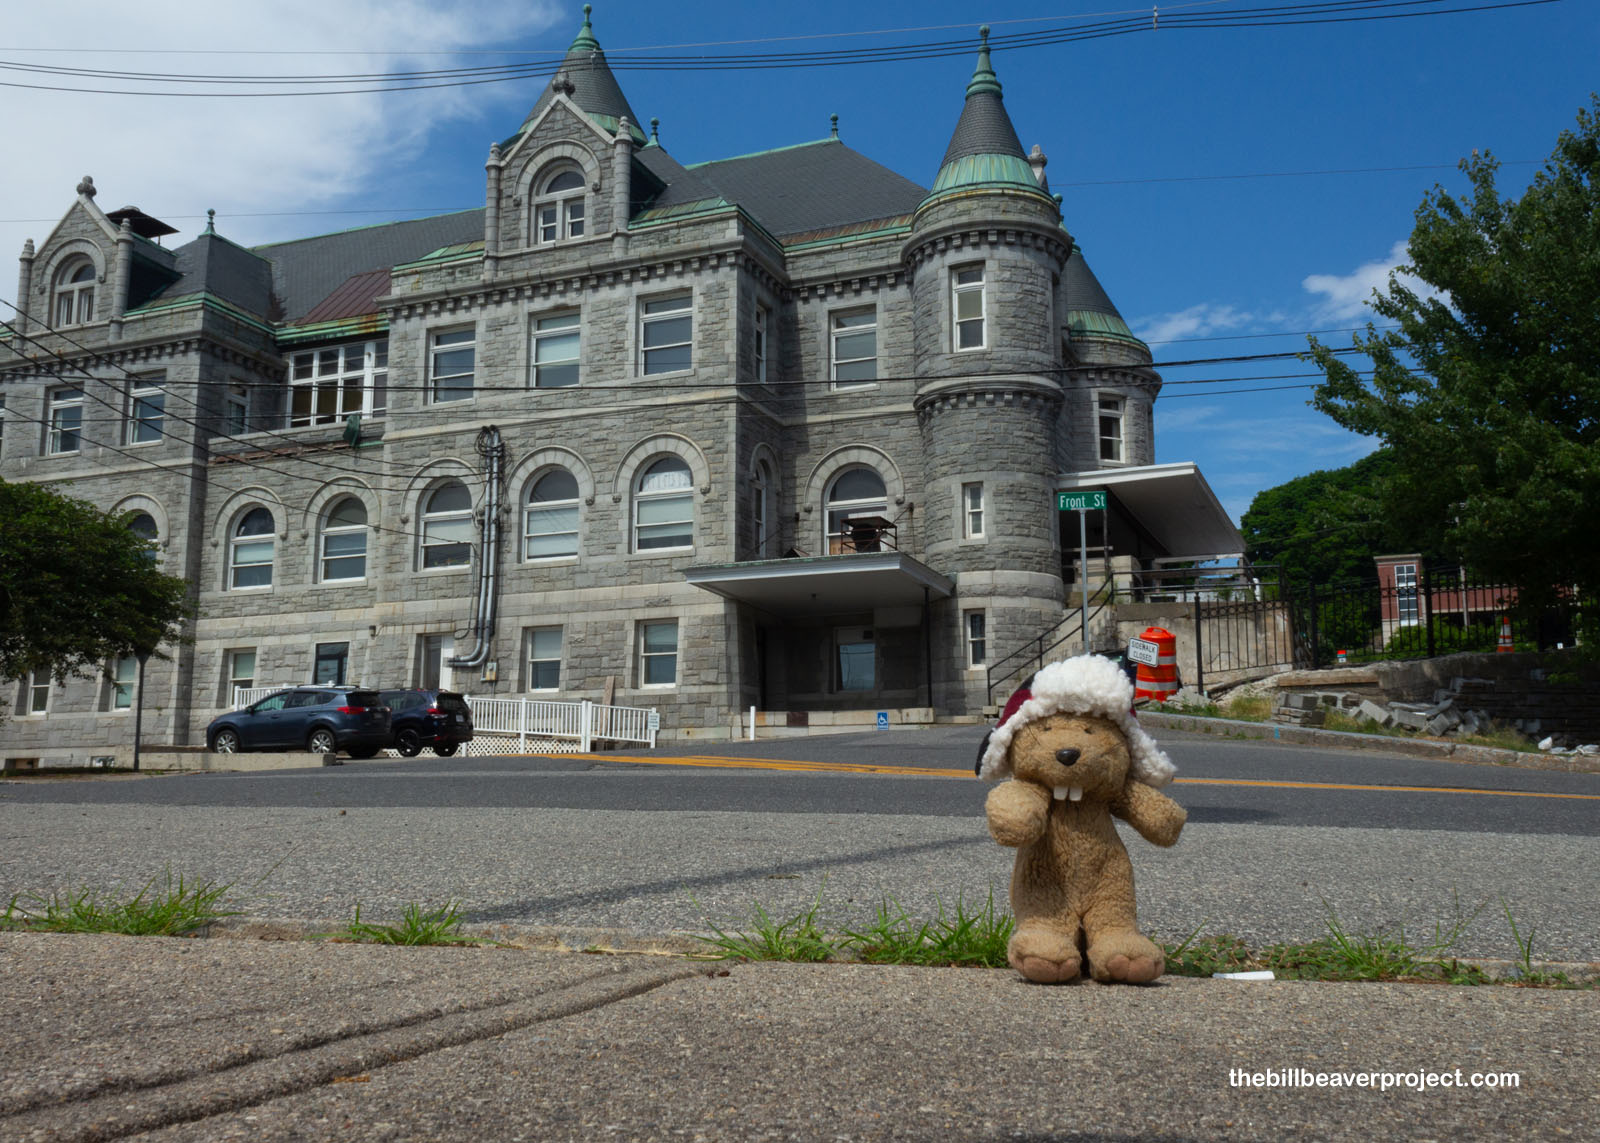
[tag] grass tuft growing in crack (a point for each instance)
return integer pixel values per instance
(417, 926)
(175, 910)
(960, 938)
(799, 938)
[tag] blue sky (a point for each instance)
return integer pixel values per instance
(1183, 155)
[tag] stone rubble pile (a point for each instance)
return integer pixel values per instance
(1449, 714)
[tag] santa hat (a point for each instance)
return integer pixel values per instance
(1087, 684)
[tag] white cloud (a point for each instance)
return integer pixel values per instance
(177, 156)
(1196, 321)
(1344, 297)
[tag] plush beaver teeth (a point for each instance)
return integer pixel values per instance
(1064, 793)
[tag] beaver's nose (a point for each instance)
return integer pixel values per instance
(1066, 757)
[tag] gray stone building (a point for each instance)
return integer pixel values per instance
(784, 430)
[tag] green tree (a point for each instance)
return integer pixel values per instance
(1323, 527)
(78, 587)
(1488, 392)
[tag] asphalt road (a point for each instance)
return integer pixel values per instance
(650, 846)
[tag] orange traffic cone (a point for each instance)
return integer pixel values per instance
(1505, 636)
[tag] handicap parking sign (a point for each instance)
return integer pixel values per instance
(883, 720)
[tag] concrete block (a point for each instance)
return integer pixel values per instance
(1299, 702)
(1375, 713)
(1409, 718)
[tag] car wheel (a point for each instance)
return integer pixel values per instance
(445, 749)
(369, 752)
(226, 742)
(322, 741)
(408, 743)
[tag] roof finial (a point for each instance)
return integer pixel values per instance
(983, 77)
(86, 187)
(211, 222)
(585, 39)
(655, 131)
(834, 119)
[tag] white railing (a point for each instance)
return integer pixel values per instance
(582, 723)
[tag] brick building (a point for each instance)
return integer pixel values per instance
(782, 430)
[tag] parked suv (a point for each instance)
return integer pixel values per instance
(440, 719)
(321, 719)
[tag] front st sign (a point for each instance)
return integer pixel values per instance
(1080, 501)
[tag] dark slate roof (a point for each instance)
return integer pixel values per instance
(682, 185)
(594, 88)
(213, 265)
(812, 186)
(307, 270)
(1090, 312)
(984, 127)
(357, 296)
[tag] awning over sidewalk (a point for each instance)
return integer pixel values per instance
(825, 585)
(1172, 502)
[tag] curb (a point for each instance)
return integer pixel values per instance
(1416, 747)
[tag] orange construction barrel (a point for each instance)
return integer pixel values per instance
(1158, 681)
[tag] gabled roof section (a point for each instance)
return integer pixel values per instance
(586, 79)
(356, 297)
(984, 151)
(307, 270)
(808, 187)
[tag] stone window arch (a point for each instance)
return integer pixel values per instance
(663, 505)
(445, 535)
(856, 492)
(560, 204)
(342, 542)
(251, 548)
(73, 292)
(551, 515)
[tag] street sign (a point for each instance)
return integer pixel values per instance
(1144, 651)
(1080, 501)
(883, 720)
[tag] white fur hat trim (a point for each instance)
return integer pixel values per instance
(1087, 684)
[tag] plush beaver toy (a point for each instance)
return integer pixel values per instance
(1075, 756)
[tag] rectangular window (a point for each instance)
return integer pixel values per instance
(658, 653)
(555, 352)
(544, 659)
(327, 385)
(331, 662)
(1110, 419)
(966, 288)
(36, 693)
(763, 322)
(236, 411)
(122, 675)
(857, 658)
(666, 334)
(433, 652)
(452, 361)
(241, 673)
(972, 511)
(65, 418)
(146, 408)
(975, 624)
(1405, 593)
(854, 354)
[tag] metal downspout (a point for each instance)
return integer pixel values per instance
(490, 448)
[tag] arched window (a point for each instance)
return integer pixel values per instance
(550, 522)
(855, 493)
(250, 562)
(761, 520)
(558, 212)
(447, 527)
(143, 525)
(344, 541)
(74, 300)
(663, 506)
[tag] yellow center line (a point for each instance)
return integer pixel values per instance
(730, 763)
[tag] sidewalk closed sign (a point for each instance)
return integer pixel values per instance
(1143, 651)
(1080, 501)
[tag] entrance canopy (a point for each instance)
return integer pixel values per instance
(1172, 502)
(825, 585)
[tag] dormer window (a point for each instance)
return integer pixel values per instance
(558, 213)
(74, 293)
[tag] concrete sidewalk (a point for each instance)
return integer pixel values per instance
(116, 1037)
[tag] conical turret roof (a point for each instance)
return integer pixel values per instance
(592, 86)
(985, 150)
(1090, 311)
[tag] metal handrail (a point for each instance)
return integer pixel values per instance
(1036, 649)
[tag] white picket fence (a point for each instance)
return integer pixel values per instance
(524, 726)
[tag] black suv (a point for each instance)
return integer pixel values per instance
(322, 719)
(440, 719)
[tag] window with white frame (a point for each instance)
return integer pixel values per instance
(666, 334)
(329, 384)
(344, 542)
(452, 360)
(544, 659)
(763, 326)
(967, 307)
(1109, 416)
(550, 521)
(74, 293)
(658, 653)
(143, 525)
(554, 360)
(447, 526)
(972, 511)
(1407, 611)
(854, 347)
(558, 211)
(147, 404)
(64, 417)
(760, 509)
(250, 556)
(236, 411)
(120, 679)
(35, 697)
(663, 506)
(974, 629)
(434, 653)
(241, 672)
(855, 493)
